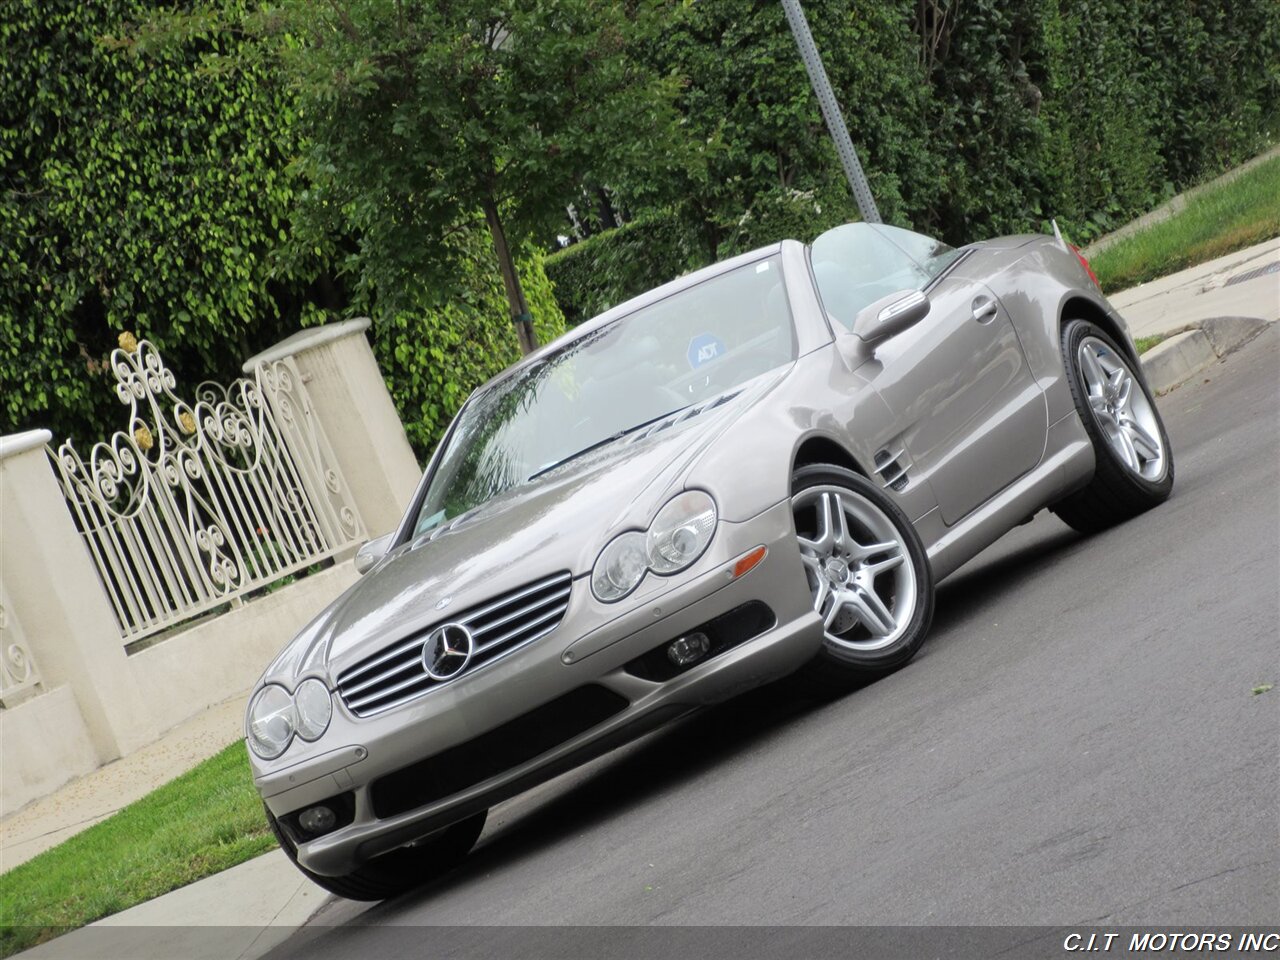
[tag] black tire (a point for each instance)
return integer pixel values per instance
(1116, 493)
(835, 670)
(398, 871)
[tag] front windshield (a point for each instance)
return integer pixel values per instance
(857, 264)
(689, 347)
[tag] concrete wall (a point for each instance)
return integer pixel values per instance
(95, 702)
(45, 744)
(223, 656)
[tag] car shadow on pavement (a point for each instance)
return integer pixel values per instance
(617, 782)
(674, 754)
(982, 581)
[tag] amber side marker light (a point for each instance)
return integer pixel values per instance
(749, 561)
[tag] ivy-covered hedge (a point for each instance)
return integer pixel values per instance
(973, 118)
(595, 274)
(133, 196)
(143, 194)
(433, 359)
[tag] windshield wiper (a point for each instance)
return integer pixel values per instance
(607, 440)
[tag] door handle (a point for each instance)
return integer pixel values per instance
(985, 309)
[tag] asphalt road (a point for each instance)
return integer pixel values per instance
(1078, 742)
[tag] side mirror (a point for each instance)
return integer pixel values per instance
(371, 551)
(890, 315)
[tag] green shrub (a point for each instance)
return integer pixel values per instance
(143, 193)
(602, 271)
(434, 358)
(135, 196)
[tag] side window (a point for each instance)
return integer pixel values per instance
(932, 255)
(857, 264)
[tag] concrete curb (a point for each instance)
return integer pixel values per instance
(1196, 347)
(239, 914)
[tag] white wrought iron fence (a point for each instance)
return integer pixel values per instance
(196, 504)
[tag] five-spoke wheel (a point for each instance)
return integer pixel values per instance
(1121, 408)
(868, 576)
(855, 560)
(1133, 468)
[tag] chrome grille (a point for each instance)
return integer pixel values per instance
(497, 627)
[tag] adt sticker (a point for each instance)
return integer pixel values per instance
(704, 348)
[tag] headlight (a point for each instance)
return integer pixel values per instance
(678, 536)
(621, 566)
(274, 716)
(681, 531)
(314, 707)
(271, 721)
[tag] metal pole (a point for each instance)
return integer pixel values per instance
(831, 111)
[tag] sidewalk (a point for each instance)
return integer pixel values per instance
(238, 914)
(1241, 284)
(78, 805)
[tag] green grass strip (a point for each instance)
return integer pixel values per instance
(205, 821)
(1214, 222)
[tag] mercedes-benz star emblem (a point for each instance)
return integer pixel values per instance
(447, 651)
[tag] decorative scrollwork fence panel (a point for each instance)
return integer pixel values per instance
(196, 504)
(19, 678)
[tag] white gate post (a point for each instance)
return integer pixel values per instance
(352, 403)
(55, 592)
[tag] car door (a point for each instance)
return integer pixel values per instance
(968, 411)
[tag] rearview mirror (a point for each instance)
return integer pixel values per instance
(371, 551)
(890, 315)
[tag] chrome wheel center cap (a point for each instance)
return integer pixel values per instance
(837, 570)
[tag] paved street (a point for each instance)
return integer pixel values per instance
(1078, 742)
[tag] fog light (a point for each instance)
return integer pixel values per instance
(688, 649)
(317, 820)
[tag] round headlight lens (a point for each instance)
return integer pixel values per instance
(271, 721)
(620, 567)
(681, 531)
(314, 708)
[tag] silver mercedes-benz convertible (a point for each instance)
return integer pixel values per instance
(758, 470)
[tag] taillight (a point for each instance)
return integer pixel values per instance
(1085, 263)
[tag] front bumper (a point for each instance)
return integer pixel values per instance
(587, 649)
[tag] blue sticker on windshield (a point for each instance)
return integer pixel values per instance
(704, 348)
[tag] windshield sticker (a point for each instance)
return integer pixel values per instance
(704, 348)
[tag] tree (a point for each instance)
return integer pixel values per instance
(418, 117)
(133, 198)
(772, 169)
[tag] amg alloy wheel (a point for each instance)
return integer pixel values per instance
(1134, 462)
(868, 576)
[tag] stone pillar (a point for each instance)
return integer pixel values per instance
(351, 401)
(67, 619)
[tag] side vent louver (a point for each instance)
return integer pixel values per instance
(891, 468)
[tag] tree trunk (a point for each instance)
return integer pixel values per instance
(605, 208)
(520, 315)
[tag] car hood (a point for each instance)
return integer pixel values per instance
(558, 522)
